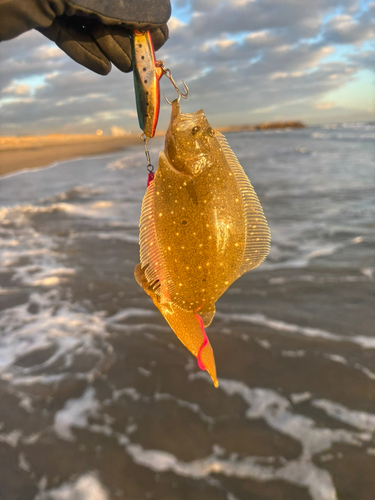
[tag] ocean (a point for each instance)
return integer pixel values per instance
(99, 399)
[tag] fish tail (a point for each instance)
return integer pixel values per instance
(189, 328)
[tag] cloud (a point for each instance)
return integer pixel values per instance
(48, 52)
(345, 29)
(299, 18)
(17, 89)
(324, 105)
(244, 61)
(174, 24)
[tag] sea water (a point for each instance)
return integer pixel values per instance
(98, 397)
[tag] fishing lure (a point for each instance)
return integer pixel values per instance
(147, 73)
(146, 76)
(201, 228)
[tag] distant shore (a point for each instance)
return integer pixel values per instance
(27, 152)
(21, 153)
(263, 126)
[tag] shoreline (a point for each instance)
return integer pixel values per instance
(26, 153)
(29, 152)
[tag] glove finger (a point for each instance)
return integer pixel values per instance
(76, 42)
(114, 42)
(160, 36)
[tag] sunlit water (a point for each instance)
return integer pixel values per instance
(100, 400)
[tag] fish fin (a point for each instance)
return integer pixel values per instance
(258, 236)
(207, 315)
(152, 263)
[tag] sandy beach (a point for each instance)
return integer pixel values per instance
(20, 153)
(26, 152)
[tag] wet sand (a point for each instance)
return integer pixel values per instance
(21, 153)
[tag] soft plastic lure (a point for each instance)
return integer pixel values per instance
(201, 228)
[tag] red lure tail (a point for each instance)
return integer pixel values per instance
(205, 342)
(150, 178)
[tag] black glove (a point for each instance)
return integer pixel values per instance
(92, 32)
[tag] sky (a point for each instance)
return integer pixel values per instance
(245, 62)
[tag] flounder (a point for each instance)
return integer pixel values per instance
(201, 228)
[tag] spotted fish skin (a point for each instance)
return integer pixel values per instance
(201, 228)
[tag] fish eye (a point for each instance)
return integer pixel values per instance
(210, 131)
(195, 130)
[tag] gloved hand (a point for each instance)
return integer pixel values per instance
(92, 32)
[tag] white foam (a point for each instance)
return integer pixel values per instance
(278, 413)
(19, 213)
(131, 312)
(337, 358)
(11, 438)
(193, 407)
(277, 281)
(298, 250)
(368, 272)
(66, 329)
(61, 271)
(273, 324)
(300, 397)
(266, 344)
(365, 342)
(23, 463)
(144, 372)
(328, 250)
(85, 191)
(365, 370)
(67, 332)
(31, 439)
(301, 473)
(127, 237)
(358, 419)
(282, 326)
(300, 353)
(75, 414)
(86, 487)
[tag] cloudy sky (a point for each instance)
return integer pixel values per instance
(245, 61)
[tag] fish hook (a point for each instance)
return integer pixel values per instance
(167, 72)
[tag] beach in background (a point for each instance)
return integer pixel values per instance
(27, 152)
(100, 400)
(18, 153)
